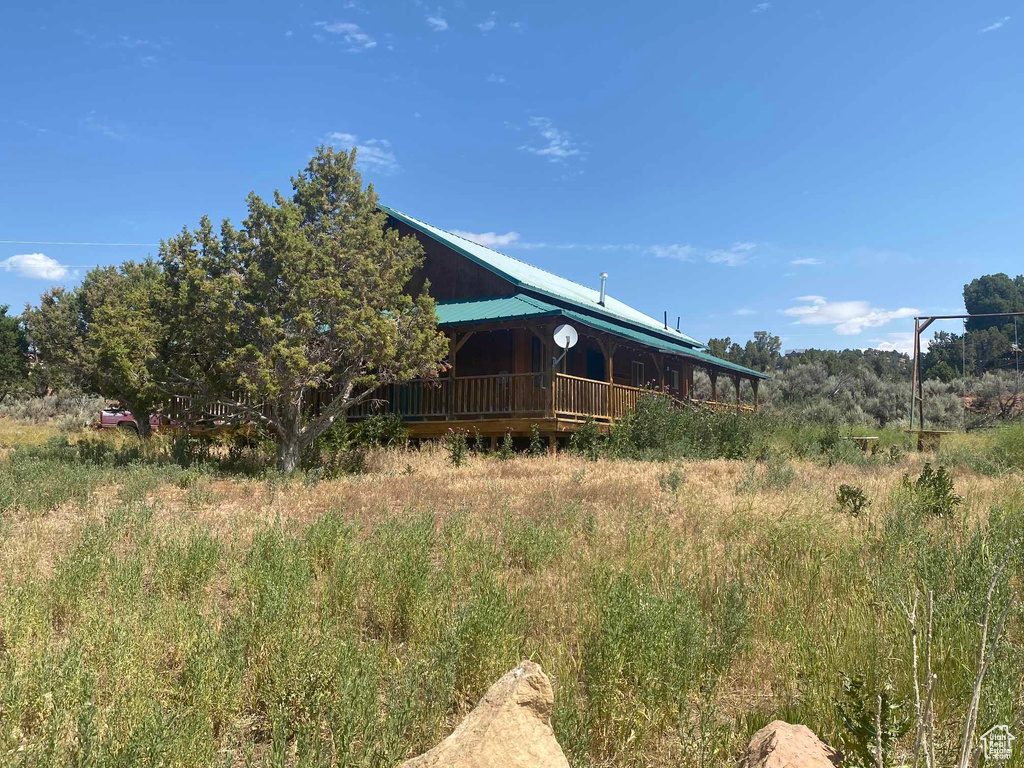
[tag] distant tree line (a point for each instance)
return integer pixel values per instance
(970, 378)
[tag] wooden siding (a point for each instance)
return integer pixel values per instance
(451, 275)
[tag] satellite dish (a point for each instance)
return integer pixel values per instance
(566, 336)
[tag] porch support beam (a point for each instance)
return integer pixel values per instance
(608, 347)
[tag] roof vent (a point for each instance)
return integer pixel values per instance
(604, 284)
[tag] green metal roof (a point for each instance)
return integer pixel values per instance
(549, 285)
(503, 308)
(452, 313)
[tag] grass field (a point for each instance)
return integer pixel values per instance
(154, 615)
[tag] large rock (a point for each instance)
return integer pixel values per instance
(781, 745)
(511, 726)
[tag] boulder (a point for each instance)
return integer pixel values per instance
(511, 726)
(781, 745)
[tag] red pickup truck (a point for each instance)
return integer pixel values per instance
(121, 419)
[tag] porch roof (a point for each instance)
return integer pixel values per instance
(519, 306)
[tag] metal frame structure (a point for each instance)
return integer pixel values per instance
(916, 381)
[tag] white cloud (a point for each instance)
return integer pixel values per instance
(898, 342)
(761, 8)
(745, 312)
(518, 26)
(806, 262)
(489, 23)
(437, 23)
(997, 25)
(848, 318)
(356, 38)
(676, 251)
(372, 153)
(488, 239)
(738, 254)
(107, 128)
(35, 265)
(492, 78)
(558, 145)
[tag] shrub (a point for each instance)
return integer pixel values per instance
(672, 481)
(536, 447)
(457, 446)
(778, 475)
(586, 440)
(851, 500)
(383, 430)
(507, 449)
(932, 493)
(659, 429)
(861, 710)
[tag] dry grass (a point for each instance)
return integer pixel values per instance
(595, 569)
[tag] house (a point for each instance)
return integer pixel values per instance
(507, 372)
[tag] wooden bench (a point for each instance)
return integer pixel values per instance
(929, 439)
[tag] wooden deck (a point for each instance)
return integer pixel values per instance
(496, 404)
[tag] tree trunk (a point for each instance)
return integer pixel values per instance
(289, 454)
(142, 424)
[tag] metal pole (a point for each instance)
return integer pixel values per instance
(913, 372)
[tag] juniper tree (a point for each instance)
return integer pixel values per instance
(109, 336)
(13, 353)
(306, 299)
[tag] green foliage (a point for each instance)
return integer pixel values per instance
(862, 710)
(851, 500)
(762, 353)
(536, 447)
(111, 335)
(457, 446)
(777, 475)
(587, 441)
(507, 449)
(308, 295)
(932, 493)
(380, 430)
(672, 481)
(658, 429)
(13, 354)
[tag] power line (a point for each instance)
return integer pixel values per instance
(57, 242)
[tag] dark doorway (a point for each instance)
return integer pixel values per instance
(595, 365)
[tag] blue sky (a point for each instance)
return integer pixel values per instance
(819, 170)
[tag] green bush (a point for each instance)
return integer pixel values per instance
(507, 449)
(457, 446)
(851, 500)
(932, 493)
(587, 441)
(536, 447)
(861, 708)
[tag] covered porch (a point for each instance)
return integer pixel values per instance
(505, 373)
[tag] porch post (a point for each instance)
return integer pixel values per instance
(736, 382)
(713, 375)
(755, 383)
(549, 360)
(453, 350)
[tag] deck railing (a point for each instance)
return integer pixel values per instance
(579, 398)
(496, 395)
(509, 396)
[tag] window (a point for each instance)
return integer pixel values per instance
(535, 363)
(638, 374)
(675, 379)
